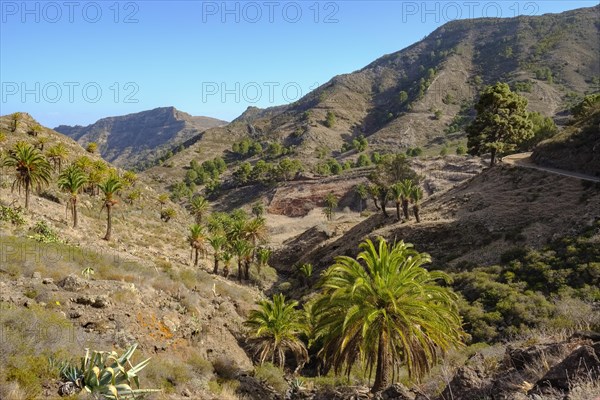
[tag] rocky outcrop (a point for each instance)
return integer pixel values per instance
(541, 371)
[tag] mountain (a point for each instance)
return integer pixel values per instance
(135, 140)
(423, 94)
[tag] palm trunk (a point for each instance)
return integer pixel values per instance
(247, 270)
(195, 257)
(239, 269)
(375, 202)
(405, 208)
(493, 157)
(216, 268)
(108, 222)
(383, 204)
(75, 220)
(382, 371)
(416, 212)
(226, 271)
(27, 189)
(398, 210)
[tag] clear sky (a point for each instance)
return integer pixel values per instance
(73, 62)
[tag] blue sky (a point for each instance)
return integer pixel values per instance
(73, 62)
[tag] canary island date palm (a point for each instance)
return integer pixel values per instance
(416, 195)
(31, 166)
(276, 326)
(109, 188)
(218, 244)
(197, 240)
(384, 309)
(199, 206)
(72, 180)
(241, 248)
(57, 154)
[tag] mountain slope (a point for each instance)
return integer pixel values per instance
(135, 139)
(550, 59)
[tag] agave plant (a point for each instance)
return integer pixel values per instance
(105, 375)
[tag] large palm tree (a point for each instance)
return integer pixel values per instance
(416, 195)
(218, 243)
(32, 168)
(406, 187)
(227, 256)
(385, 309)
(276, 326)
(199, 207)
(263, 254)
(109, 188)
(255, 231)
(197, 240)
(71, 180)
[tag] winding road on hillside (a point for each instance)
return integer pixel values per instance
(524, 160)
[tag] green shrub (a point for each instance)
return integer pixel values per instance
(44, 234)
(273, 376)
(12, 215)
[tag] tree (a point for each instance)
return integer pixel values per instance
(241, 248)
(197, 240)
(162, 199)
(16, 120)
(199, 206)
(397, 192)
(255, 231)
(258, 209)
(109, 188)
(416, 195)
(501, 123)
(32, 168)
(92, 147)
(263, 254)
(330, 119)
(374, 193)
(543, 128)
(218, 244)
(227, 257)
(276, 327)
(72, 180)
(331, 202)
(385, 309)
(391, 169)
(57, 154)
(363, 193)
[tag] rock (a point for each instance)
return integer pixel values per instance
(37, 275)
(523, 358)
(101, 302)
(468, 381)
(48, 281)
(397, 392)
(583, 363)
(71, 283)
(74, 314)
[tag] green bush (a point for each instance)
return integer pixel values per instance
(12, 215)
(273, 376)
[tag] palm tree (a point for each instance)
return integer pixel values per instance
(241, 248)
(258, 209)
(276, 326)
(416, 195)
(255, 231)
(386, 309)
(109, 188)
(197, 240)
(218, 244)
(363, 193)
(263, 255)
(72, 181)
(57, 154)
(406, 186)
(397, 190)
(331, 203)
(226, 257)
(32, 168)
(199, 207)
(374, 193)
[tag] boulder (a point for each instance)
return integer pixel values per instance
(468, 382)
(582, 363)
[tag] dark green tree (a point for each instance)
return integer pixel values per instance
(502, 122)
